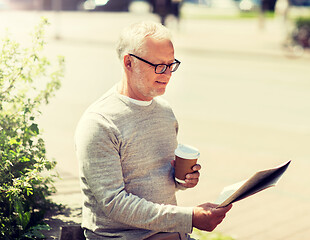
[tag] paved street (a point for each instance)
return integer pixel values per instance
(237, 98)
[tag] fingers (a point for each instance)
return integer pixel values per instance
(195, 175)
(189, 183)
(191, 179)
(207, 217)
(196, 167)
(219, 214)
(224, 209)
(228, 207)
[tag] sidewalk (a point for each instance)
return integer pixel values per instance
(69, 195)
(234, 36)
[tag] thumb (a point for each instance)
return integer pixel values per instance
(224, 209)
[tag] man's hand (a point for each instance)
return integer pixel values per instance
(191, 179)
(206, 216)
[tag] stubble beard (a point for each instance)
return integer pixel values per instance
(143, 89)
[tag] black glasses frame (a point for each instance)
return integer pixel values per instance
(177, 62)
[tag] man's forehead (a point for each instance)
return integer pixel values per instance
(159, 48)
(150, 41)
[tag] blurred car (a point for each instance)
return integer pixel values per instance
(300, 3)
(222, 4)
(213, 3)
(249, 5)
(105, 5)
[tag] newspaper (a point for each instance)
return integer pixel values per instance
(258, 182)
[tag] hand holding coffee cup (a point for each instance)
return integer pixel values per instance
(185, 159)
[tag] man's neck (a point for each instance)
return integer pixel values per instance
(124, 89)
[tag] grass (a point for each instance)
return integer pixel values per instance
(241, 15)
(200, 235)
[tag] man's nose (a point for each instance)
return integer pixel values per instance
(168, 72)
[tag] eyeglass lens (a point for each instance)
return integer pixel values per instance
(161, 68)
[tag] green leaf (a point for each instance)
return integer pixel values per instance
(34, 128)
(34, 232)
(13, 141)
(26, 219)
(24, 159)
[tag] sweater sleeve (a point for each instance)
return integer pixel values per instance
(97, 146)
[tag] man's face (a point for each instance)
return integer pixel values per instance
(145, 83)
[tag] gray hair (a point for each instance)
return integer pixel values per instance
(132, 38)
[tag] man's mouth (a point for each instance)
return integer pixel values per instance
(160, 82)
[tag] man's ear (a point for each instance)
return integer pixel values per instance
(127, 62)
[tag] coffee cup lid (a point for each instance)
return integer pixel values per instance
(187, 152)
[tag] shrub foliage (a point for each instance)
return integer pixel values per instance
(27, 80)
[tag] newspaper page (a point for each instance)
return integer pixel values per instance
(258, 182)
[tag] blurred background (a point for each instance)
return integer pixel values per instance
(241, 94)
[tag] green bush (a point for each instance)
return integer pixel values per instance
(27, 80)
(303, 22)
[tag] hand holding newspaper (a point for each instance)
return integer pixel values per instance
(258, 182)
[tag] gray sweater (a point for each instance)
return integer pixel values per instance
(124, 152)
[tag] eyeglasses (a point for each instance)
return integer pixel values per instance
(161, 68)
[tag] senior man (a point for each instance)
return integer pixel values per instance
(125, 144)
